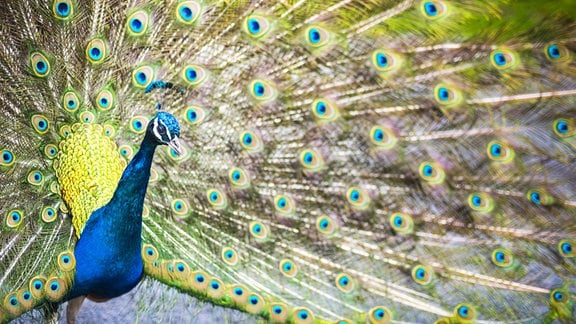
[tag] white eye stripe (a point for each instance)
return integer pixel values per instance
(167, 130)
(155, 129)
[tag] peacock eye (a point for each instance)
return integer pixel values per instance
(138, 124)
(433, 9)
(138, 23)
(40, 65)
(316, 36)
(187, 12)
(256, 26)
(194, 75)
(63, 10)
(503, 59)
(143, 76)
(96, 51)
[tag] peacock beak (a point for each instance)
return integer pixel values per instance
(175, 145)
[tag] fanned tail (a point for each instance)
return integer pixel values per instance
(343, 161)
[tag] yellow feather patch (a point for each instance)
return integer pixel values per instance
(88, 167)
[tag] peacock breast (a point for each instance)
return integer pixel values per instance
(108, 255)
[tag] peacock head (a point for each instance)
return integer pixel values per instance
(165, 130)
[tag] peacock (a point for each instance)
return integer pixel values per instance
(337, 161)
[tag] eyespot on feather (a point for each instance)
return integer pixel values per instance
(502, 258)
(431, 173)
(326, 225)
(180, 208)
(284, 205)
(39, 64)
(138, 124)
(402, 223)
(256, 26)
(63, 9)
(263, 91)
(126, 151)
(149, 253)
(358, 198)
(386, 62)
(12, 304)
(48, 214)
(137, 23)
(422, 275)
(106, 99)
(40, 123)
(194, 75)
(567, 248)
(35, 178)
(71, 101)
(558, 54)
(36, 286)
(64, 131)
(433, 10)
(311, 160)
(500, 152)
(255, 304)
(14, 218)
(481, 202)
(345, 283)
(324, 110)
(564, 127)
(67, 261)
(258, 230)
(199, 281)
(96, 51)
(239, 294)
(229, 256)
(559, 296)
(216, 288)
(302, 315)
(317, 37)
(250, 141)
(87, 117)
(194, 115)
(142, 76)
(379, 315)
(504, 59)
(55, 289)
(216, 198)
(279, 312)
(239, 178)
(540, 197)
(7, 158)
(288, 268)
(383, 137)
(447, 95)
(465, 313)
(188, 12)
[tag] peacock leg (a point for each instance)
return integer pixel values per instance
(73, 309)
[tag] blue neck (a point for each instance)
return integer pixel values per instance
(132, 187)
(108, 253)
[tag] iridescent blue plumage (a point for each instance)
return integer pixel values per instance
(108, 254)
